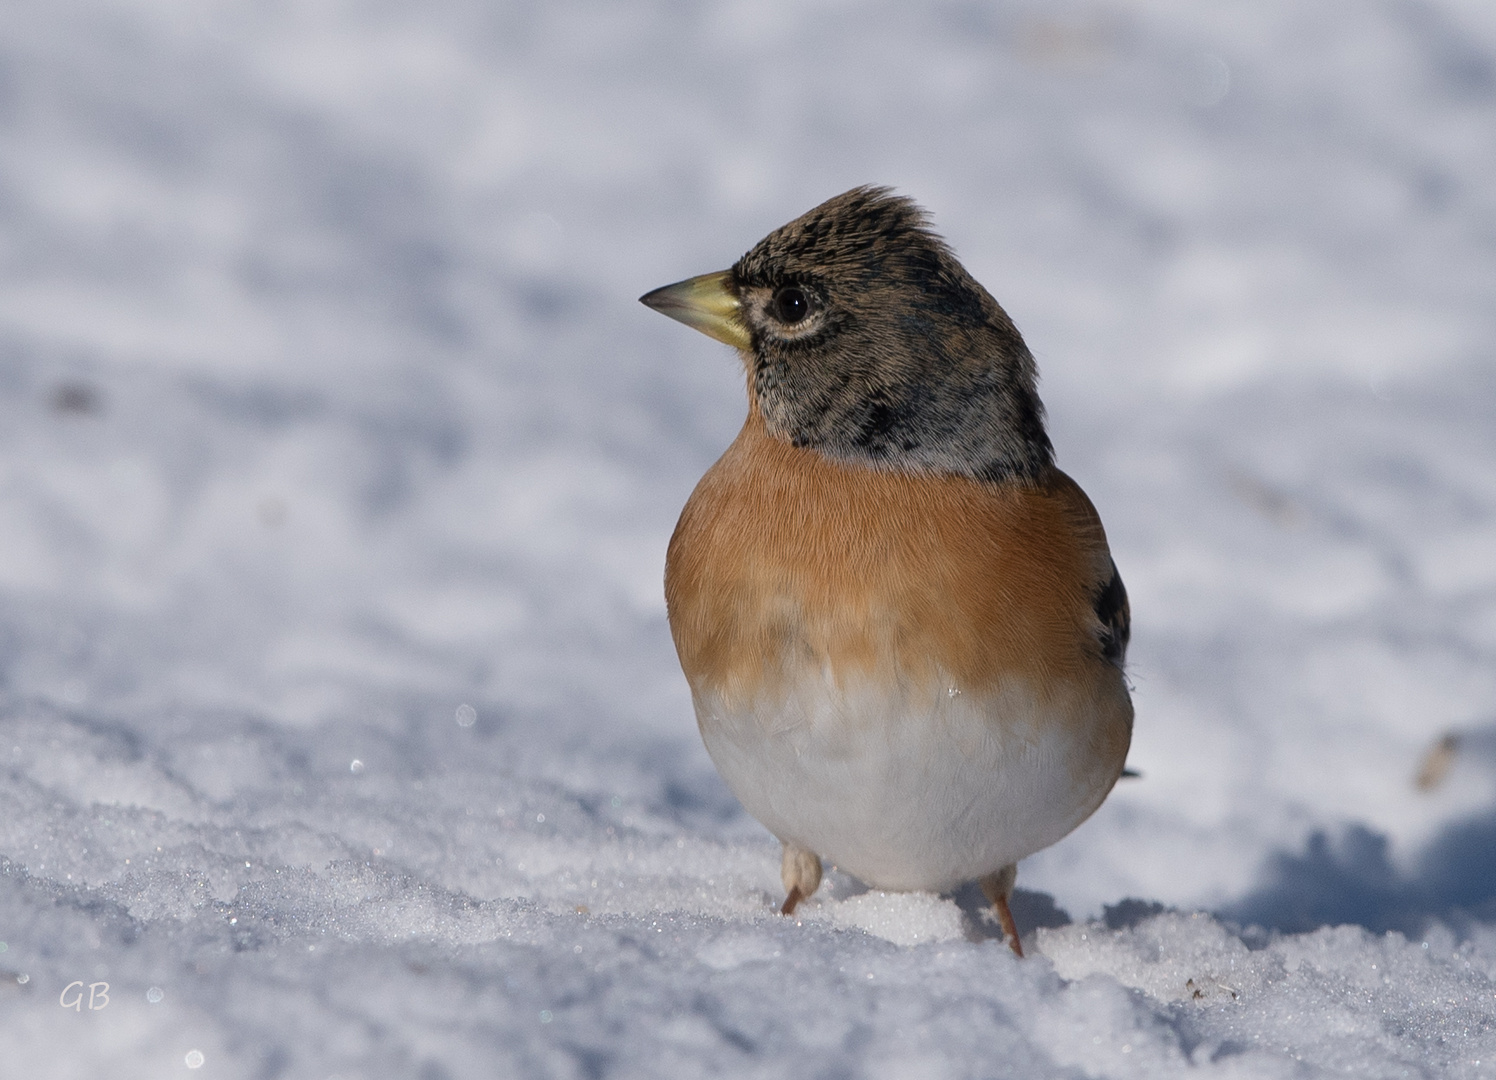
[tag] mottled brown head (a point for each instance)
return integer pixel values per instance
(867, 341)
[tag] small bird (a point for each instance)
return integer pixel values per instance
(901, 624)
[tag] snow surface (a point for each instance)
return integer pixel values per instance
(340, 729)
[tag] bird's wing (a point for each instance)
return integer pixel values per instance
(1108, 594)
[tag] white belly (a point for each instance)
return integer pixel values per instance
(911, 788)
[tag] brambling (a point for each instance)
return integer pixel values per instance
(901, 625)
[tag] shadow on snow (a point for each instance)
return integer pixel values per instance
(1350, 878)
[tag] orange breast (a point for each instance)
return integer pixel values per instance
(784, 559)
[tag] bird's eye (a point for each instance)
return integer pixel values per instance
(791, 304)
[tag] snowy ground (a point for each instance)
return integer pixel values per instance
(340, 730)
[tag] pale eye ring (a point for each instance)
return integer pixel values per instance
(790, 305)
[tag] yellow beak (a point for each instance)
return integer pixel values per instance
(708, 303)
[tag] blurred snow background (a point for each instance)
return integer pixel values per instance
(340, 730)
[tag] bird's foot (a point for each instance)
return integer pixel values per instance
(998, 887)
(801, 873)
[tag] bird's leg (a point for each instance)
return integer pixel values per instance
(999, 887)
(801, 873)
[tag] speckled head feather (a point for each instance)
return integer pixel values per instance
(872, 344)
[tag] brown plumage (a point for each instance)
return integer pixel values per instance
(781, 550)
(901, 624)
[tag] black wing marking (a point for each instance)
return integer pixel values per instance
(1116, 618)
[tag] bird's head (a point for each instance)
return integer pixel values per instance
(867, 341)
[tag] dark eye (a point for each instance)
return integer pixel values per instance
(791, 304)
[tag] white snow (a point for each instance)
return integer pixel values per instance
(340, 730)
